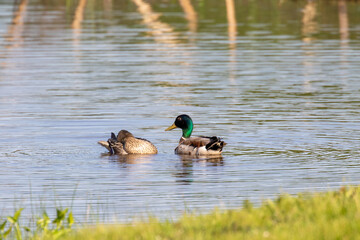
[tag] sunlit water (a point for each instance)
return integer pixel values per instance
(283, 91)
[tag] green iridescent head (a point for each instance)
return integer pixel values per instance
(185, 123)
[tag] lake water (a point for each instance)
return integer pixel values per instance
(277, 80)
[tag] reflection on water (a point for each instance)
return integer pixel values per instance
(14, 36)
(161, 31)
(79, 15)
(124, 160)
(190, 14)
(310, 26)
(231, 22)
(278, 80)
(343, 20)
(184, 173)
(208, 160)
(76, 24)
(231, 17)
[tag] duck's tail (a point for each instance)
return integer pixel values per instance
(104, 144)
(109, 144)
(215, 144)
(112, 141)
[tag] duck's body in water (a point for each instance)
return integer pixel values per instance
(195, 145)
(125, 143)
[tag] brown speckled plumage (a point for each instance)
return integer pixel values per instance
(126, 143)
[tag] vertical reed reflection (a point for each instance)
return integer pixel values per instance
(162, 32)
(309, 68)
(76, 24)
(344, 36)
(190, 14)
(230, 10)
(15, 32)
(343, 20)
(231, 17)
(310, 26)
(79, 15)
(108, 5)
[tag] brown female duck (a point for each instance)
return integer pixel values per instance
(125, 143)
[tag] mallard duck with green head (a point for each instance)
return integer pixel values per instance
(125, 143)
(195, 145)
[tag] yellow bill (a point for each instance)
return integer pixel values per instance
(171, 127)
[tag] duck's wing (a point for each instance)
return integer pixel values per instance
(195, 141)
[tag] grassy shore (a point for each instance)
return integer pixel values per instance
(329, 215)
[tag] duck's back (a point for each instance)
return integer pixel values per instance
(134, 145)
